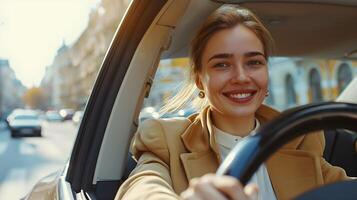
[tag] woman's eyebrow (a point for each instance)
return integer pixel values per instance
(221, 55)
(253, 53)
(229, 55)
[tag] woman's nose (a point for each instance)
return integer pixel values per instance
(240, 75)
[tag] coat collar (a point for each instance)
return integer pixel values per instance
(198, 137)
(200, 145)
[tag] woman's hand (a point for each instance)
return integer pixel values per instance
(215, 187)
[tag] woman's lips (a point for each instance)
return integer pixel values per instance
(243, 96)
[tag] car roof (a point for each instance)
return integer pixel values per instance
(314, 28)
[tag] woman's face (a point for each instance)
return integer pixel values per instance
(234, 73)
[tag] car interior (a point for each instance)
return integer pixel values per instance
(162, 29)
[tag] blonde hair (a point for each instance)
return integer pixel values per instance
(225, 17)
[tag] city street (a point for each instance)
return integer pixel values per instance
(23, 161)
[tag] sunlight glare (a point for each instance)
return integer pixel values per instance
(32, 31)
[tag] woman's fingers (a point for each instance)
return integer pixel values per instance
(219, 187)
(189, 194)
(251, 191)
(201, 188)
(228, 186)
(208, 191)
(232, 188)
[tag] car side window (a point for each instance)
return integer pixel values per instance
(293, 82)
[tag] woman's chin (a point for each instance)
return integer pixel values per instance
(240, 112)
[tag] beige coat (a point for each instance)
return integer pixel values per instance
(170, 152)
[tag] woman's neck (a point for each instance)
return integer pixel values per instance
(239, 126)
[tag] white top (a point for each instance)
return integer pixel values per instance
(226, 142)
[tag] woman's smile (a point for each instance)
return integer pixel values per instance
(240, 96)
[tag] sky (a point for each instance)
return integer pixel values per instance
(31, 31)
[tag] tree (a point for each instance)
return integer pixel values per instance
(34, 98)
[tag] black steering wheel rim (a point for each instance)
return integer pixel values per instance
(253, 151)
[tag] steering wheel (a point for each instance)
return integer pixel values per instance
(248, 155)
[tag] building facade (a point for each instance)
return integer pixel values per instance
(75, 67)
(11, 89)
(297, 81)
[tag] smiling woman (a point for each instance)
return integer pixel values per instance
(229, 57)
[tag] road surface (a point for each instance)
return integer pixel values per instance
(23, 161)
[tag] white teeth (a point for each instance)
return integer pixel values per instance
(240, 95)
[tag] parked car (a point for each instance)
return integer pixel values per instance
(53, 116)
(25, 123)
(66, 113)
(161, 29)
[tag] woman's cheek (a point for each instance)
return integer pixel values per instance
(262, 79)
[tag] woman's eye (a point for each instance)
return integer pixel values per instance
(221, 65)
(255, 63)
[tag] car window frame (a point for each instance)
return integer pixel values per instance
(99, 106)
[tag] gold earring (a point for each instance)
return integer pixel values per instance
(201, 94)
(267, 94)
